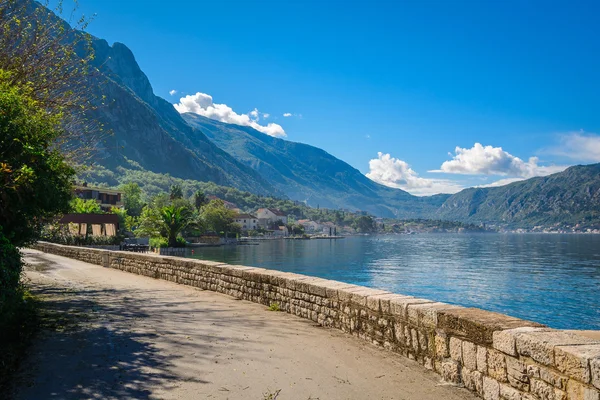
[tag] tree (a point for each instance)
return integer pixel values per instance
(43, 53)
(176, 192)
(364, 224)
(81, 206)
(219, 218)
(132, 199)
(35, 180)
(174, 221)
(199, 199)
(167, 222)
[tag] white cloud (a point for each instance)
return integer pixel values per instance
(172, 92)
(396, 173)
(501, 182)
(580, 146)
(266, 115)
(287, 115)
(202, 104)
(488, 160)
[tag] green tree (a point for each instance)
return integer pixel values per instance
(167, 222)
(35, 181)
(176, 192)
(174, 221)
(133, 199)
(199, 199)
(81, 206)
(219, 218)
(364, 224)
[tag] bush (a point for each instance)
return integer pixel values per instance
(10, 274)
(158, 242)
(18, 316)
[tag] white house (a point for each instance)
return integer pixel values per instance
(269, 215)
(311, 226)
(247, 222)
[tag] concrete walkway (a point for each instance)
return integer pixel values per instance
(116, 335)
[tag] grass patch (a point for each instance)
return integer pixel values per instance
(274, 306)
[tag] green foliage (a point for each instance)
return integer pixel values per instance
(44, 54)
(218, 218)
(158, 242)
(167, 222)
(132, 194)
(199, 199)
(364, 224)
(81, 206)
(10, 273)
(274, 306)
(174, 221)
(35, 181)
(176, 192)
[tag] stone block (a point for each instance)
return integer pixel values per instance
(491, 389)
(385, 299)
(578, 391)
(509, 393)
(456, 349)
(345, 294)
(398, 306)
(477, 325)
(496, 362)
(540, 344)
(425, 314)
(450, 371)
(574, 361)
(469, 355)
(482, 359)
(546, 391)
(595, 372)
(473, 380)
(505, 341)
(441, 345)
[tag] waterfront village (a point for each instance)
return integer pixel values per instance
(102, 216)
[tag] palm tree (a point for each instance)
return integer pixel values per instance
(174, 220)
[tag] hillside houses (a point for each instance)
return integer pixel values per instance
(269, 216)
(248, 222)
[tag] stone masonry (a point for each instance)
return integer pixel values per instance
(493, 355)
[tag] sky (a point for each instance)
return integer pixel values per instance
(426, 96)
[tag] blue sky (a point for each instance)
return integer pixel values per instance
(412, 80)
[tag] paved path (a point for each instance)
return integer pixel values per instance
(118, 335)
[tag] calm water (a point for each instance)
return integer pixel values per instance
(551, 279)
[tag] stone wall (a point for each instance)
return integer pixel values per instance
(494, 355)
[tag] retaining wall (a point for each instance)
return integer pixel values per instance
(494, 355)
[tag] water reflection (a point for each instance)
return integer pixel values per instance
(552, 279)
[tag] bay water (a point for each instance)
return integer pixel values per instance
(552, 279)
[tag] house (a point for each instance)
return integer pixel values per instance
(107, 198)
(267, 216)
(91, 224)
(329, 229)
(248, 222)
(229, 205)
(281, 231)
(311, 226)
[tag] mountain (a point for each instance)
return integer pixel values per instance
(148, 134)
(310, 174)
(568, 197)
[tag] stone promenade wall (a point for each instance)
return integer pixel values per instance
(494, 355)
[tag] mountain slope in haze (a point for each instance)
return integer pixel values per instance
(307, 173)
(568, 197)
